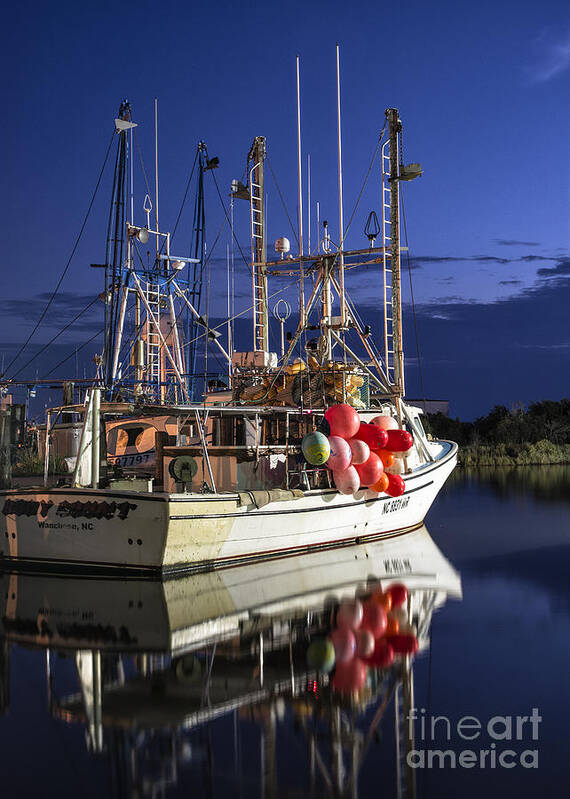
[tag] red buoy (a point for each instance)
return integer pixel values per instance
(398, 440)
(396, 485)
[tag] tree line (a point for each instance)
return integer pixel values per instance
(546, 420)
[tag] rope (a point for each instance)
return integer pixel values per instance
(63, 274)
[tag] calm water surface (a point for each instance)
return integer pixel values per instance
(190, 708)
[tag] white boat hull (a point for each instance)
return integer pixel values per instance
(99, 530)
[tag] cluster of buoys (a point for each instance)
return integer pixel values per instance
(360, 453)
(367, 633)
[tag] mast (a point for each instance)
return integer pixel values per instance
(394, 129)
(258, 258)
(115, 246)
(196, 269)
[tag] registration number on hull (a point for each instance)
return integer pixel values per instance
(395, 504)
(140, 459)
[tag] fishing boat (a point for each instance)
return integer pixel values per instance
(194, 473)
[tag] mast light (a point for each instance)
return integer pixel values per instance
(139, 233)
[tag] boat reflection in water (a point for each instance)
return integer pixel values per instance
(156, 660)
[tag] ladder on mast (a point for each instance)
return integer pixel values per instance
(387, 265)
(257, 224)
(256, 218)
(153, 344)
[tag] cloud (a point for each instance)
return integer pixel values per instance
(65, 305)
(561, 268)
(551, 56)
(478, 353)
(516, 243)
(418, 260)
(530, 258)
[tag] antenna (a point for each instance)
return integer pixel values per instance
(309, 203)
(156, 169)
(132, 180)
(340, 216)
(300, 177)
(282, 312)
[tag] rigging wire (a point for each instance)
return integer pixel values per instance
(75, 351)
(185, 196)
(205, 333)
(242, 313)
(246, 262)
(378, 143)
(413, 302)
(281, 198)
(54, 338)
(143, 169)
(63, 274)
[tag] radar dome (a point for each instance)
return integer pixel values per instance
(282, 245)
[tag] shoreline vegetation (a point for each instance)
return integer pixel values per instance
(537, 435)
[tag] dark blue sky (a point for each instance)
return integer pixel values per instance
(483, 92)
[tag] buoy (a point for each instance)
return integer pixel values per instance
(399, 594)
(360, 451)
(321, 655)
(397, 467)
(398, 441)
(383, 655)
(344, 644)
(347, 481)
(316, 448)
(350, 614)
(403, 643)
(374, 618)
(396, 485)
(343, 419)
(400, 614)
(382, 484)
(349, 677)
(392, 625)
(371, 435)
(385, 422)
(370, 471)
(339, 454)
(386, 457)
(364, 643)
(383, 599)
(297, 366)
